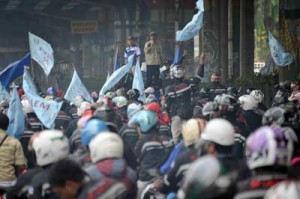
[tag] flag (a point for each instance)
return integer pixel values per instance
(3, 93)
(13, 71)
(138, 82)
(280, 57)
(107, 77)
(116, 59)
(46, 110)
(16, 116)
(194, 26)
(178, 54)
(76, 88)
(117, 76)
(41, 52)
(269, 65)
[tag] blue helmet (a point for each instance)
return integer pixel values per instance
(51, 91)
(144, 119)
(92, 128)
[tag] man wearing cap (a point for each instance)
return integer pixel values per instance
(153, 56)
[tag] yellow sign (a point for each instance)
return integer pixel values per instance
(83, 27)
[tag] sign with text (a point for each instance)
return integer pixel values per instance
(83, 27)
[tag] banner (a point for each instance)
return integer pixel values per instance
(77, 88)
(16, 116)
(3, 93)
(13, 71)
(117, 76)
(194, 26)
(280, 57)
(41, 52)
(138, 82)
(46, 110)
(84, 27)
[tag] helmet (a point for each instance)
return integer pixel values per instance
(149, 90)
(176, 72)
(191, 131)
(294, 86)
(110, 94)
(273, 115)
(258, 95)
(144, 119)
(51, 91)
(93, 127)
(83, 107)
(209, 108)
(224, 99)
(106, 145)
(151, 98)
(120, 101)
(133, 109)
(27, 108)
(214, 180)
(133, 94)
(269, 146)
(284, 190)
(50, 146)
(248, 102)
(219, 131)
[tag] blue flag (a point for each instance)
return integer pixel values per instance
(117, 76)
(46, 110)
(138, 82)
(178, 54)
(16, 116)
(116, 60)
(194, 26)
(13, 71)
(280, 57)
(76, 88)
(3, 93)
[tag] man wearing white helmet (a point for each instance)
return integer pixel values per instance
(259, 96)
(106, 151)
(49, 146)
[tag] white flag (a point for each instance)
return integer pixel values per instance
(41, 52)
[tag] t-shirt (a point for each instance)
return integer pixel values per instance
(11, 154)
(132, 50)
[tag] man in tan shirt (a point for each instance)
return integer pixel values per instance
(153, 56)
(12, 159)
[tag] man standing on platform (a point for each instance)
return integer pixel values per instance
(153, 56)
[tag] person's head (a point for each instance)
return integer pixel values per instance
(93, 127)
(216, 76)
(4, 121)
(273, 116)
(153, 36)
(133, 94)
(66, 178)
(144, 120)
(106, 145)
(191, 131)
(258, 95)
(207, 177)
(177, 72)
(51, 91)
(270, 147)
(248, 102)
(168, 63)
(120, 101)
(217, 138)
(131, 40)
(50, 146)
(84, 106)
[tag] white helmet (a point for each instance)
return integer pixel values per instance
(191, 131)
(258, 95)
(219, 131)
(284, 190)
(50, 146)
(149, 90)
(106, 145)
(248, 102)
(120, 101)
(83, 107)
(27, 108)
(209, 108)
(176, 72)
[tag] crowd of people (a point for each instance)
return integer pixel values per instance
(182, 141)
